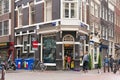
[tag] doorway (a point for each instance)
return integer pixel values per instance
(68, 52)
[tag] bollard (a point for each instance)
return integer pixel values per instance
(3, 73)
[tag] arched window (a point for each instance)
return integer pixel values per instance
(68, 38)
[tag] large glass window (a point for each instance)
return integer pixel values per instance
(70, 9)
(49, 49)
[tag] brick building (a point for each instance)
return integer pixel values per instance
(59, 26)
(6, 28)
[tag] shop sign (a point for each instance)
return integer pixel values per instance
(3, 44)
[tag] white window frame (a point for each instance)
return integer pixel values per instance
(31, 12)
(19, 15)
(92, 8)
(76, 11)
(46, 18)
(4, 27)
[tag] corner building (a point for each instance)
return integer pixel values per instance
(59, 26)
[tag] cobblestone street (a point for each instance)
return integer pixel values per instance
(60, 75)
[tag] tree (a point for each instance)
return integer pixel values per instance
(99, 61)
(90, 62)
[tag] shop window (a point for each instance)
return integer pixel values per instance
(49, 49)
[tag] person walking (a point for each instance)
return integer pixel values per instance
(68, 61)
(111, 63)
(85, 62)
(106, 64)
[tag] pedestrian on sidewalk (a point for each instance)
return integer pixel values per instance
(111, 63)
(85, 62)
(106, 64)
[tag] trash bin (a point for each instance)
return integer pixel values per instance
(18, 63)
(28, 62)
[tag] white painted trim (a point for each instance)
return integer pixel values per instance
(19, 45)
(38, 44)
(9, 26)
(42, 23)
(61, 9)
(39, 2)
(50, 64)
(28, 45)
(3, 36)
(25, 6)
(16, 8)
(48, 31)
(16, 1)
(10, 6)
(68, 42)
(41, 48)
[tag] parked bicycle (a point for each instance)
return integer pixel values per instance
(38, 65)
(116, 66)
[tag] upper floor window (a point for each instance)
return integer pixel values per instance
(31, 13)
(4, 28)
(48, 10)
(6, 6)
(6, 25)
(20, 16)
(96, 10)
(70, 9)
(0, 7)
(92, 8)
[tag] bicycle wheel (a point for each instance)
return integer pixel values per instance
(43, 67)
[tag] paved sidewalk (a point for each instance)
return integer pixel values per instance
(60, 75)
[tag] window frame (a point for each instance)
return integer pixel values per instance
(76, 10)
(31, 13)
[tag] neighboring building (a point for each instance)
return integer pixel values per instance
(95, 30)
(107, 28)
(111, 13)
(117, 28)
(60, 27)
(6, 28)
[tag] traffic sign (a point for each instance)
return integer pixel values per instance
(35, 44)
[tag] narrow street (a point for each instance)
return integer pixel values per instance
(60, 75)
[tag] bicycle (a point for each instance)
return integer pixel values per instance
(38, 65)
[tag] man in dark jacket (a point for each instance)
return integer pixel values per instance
(111, 62)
